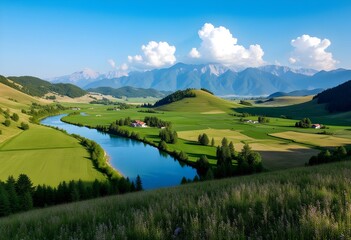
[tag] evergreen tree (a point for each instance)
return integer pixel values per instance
(12, 194)
(224, 142)
(96, 188)
(138, 183)
(232, 150)
(204, 140)
(26, 201)
(4, 201)
(81, 189)
(199, 138)
(212, 142)
(24, 184)
(162, 145)
(202, 165)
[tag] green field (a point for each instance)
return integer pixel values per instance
(303, 203)
(316, 112)
(46, 155)
(208, 114)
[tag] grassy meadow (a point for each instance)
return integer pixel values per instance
(316, 112)
(46, 155)
(211, 115)
(301, 203)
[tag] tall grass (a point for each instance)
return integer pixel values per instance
(305, 203)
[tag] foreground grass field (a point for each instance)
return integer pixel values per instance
(208, 114)
(303, 203)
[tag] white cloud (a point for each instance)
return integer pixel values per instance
(154, 55)
(310, 52)
(194, 53)
(218, 45)
(112, 63)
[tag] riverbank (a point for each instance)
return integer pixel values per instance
(98, 155)
(178, 155)
(130, 157)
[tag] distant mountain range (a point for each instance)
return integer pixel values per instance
(217, 78)
(130, 92)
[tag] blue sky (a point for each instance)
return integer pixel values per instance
(53, 38)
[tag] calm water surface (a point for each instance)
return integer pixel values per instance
(131, 157)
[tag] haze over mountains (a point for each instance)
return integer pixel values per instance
(216, 77)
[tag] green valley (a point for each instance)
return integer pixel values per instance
(220, 118)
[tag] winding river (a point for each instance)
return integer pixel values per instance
(130, 157)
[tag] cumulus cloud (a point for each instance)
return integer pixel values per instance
(310, 52)
(154, 55)
(194, 53)
(218, 45)
(112, 63)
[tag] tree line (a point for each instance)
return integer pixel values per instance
(176, 96)
(20, 195)
(156, 122)
(38, 111)
(326, 156)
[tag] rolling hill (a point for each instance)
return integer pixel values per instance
(284, 101)
(196, 101)
(46, 155)
(130, 92)
(337, 99)
(297, 93)
(37, 87)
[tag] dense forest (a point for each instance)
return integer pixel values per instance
(337, 99)
(176, 96)
(37, 87)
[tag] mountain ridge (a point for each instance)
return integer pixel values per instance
(222, 80)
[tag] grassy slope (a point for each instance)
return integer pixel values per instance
(304, 203)
(192, 116)
(286, 101)
(204, 102)
(316, 112)
(46, 155)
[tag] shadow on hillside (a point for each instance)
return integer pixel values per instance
(291, 157)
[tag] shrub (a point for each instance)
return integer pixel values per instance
(24, 126)
(7, 123)
(15, 117)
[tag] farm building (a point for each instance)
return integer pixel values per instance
(316, 126)
(138, 123)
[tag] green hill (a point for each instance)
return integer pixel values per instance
(337, 99)
(195, 101)
(130, 92)
(284, 101)
(311, 109)
(37, 87)
(304, 203)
